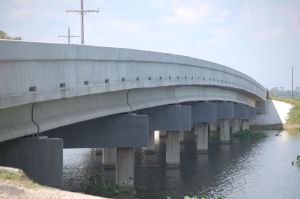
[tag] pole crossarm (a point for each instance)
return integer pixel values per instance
(82, 12)
(69, 36)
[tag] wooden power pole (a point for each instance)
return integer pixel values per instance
(82, 12)
(69, 36)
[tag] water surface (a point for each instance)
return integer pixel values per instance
(245, 169)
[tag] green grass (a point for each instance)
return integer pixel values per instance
(293, 121)
(16, 176)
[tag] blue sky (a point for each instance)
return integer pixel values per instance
(259, 37)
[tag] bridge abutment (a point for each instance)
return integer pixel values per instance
(41, 158)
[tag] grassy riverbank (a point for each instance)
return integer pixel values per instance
(293, 121)
(14, 183)
(16, 176)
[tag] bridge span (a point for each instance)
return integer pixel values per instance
(74, 96)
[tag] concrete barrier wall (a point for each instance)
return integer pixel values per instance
(276, 113)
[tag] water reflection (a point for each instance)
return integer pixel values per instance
(245, 169)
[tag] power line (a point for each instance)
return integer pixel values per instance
(82, 12)
(69, 36)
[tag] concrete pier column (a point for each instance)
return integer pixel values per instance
(236, 125)
(41, 158)
(181, 137)
(172, 149)
(98, 151)
(150, 148)
(162, 133)
(109, 158)
(213, 126)
(125, 167)
(245, 124)
(201, 131)
(224, 131)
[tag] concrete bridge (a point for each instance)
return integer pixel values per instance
(55, 96)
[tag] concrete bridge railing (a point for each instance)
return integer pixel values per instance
(35, 72)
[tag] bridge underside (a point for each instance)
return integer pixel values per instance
(39, 117)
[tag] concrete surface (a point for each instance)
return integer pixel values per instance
(276, 113)
(201, 131)
(123, 130)
(172, 149)
(125, 167)
(75, 83)
(224, 131)
(41, 158)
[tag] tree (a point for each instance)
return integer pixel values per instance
(4, 35)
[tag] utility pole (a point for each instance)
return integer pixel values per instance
(293, 82)
(82, 12)
(69, 36)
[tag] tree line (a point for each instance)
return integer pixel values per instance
(4, 35)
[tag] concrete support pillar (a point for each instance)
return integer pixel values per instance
(236, 125)
(213, 126)
(98, 151)
(125, 167)
(173, 149)
(162, 133)
(181, 137)
(201, 131)
(41, 158)
(224, 131)
(245, 124)
(150, 143)
(109, 158)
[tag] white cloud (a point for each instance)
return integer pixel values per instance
(189, 15)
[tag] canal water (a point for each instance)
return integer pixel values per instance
(245, 169)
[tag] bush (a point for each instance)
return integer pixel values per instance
(99, 187)
(247, 134)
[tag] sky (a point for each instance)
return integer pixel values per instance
(260, 38)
